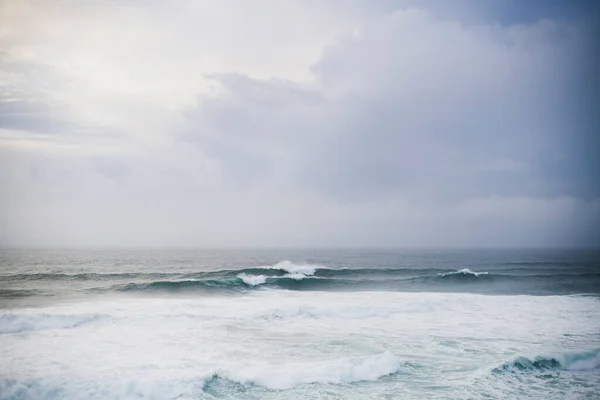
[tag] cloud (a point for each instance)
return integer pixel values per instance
(351, 125)
(32, 118)
(461, 112)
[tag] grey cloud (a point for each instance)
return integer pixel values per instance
(72, 203)
(27, 103)
(463, 112)
(504, 12)
(251, 124)
(440, 128)
(36, 117)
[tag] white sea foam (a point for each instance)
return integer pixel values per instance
(585, 361)
(290, 345)
(151, 389)
(15, 323)
(304, 269)
(300, 272)
(279, 376)
(465, 271)
(285, 376)
(253, 280)
(351, 312)
(584, 364)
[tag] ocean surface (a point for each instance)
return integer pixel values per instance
(310, 324)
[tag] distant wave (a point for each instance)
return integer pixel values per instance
(17, 323)
(465, 272)
(584, 361)
(289, 276)
(463, 276)
(82, 277)
(286, 268)
(177, 286)
(283, 275)
(303, 276)
(241, 283)
(297, 281)
(280, 268)
(303, 269)
(283, 268)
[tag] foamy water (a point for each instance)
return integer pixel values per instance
(267, 343)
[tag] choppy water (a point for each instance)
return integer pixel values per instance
(299, 324)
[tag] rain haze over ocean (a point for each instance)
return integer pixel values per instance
(299, 199)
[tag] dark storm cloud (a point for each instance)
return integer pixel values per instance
(505, 12)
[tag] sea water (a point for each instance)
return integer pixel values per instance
(320, 324)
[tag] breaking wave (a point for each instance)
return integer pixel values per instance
(289, 276)
(465, 272)
(240, 283)
(368, 368)
(222, 381)
(302, 269)
(584, 361)
(252, 280)
(304, 276)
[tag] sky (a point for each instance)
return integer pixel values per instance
(299, 123)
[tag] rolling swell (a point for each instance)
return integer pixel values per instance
(238, 284)
(82, 277)
(173, 286)
(290, 276)
(224, 382)
(309, 278)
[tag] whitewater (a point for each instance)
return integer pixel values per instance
(299, 325)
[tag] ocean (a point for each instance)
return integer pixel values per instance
(299, 324)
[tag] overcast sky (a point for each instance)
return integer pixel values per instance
(306, 123)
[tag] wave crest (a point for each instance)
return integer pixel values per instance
(227, 382)
(584, 361)
(465, 272)
(291, 268)
(252, 280)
